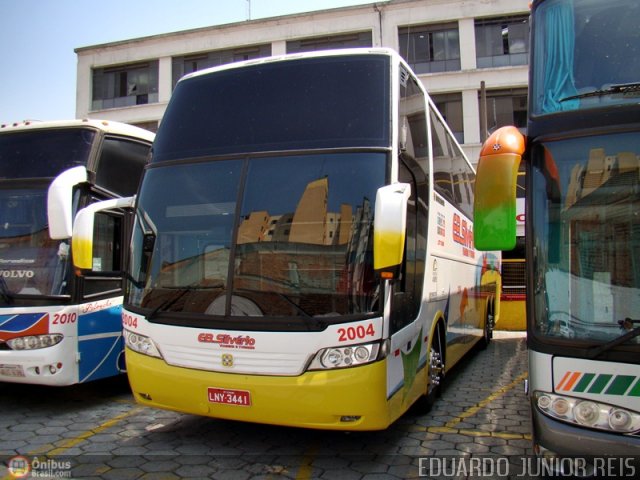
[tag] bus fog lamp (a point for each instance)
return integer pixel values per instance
(587, 413)
(620, 420)
(350, 418)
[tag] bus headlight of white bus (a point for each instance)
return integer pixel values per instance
(349, 356)
(588, 413)
(141, 344)
(33, 342)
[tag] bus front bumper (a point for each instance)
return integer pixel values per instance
(54, 366)
(343, 399)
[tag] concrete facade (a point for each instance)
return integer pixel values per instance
(382, 19)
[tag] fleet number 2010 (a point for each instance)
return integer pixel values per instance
(64, 318)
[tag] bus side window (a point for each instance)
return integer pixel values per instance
(454, 178)
(413, 168)
(120, 165)
(107, 256)
(408, 290)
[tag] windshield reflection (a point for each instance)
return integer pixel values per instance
(587, 223)
(30, 262)
(583, 48)
(297, 244)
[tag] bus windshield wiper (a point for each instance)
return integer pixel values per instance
(627, 324)
(617, 88)
(164, 306)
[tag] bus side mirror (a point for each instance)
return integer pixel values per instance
(60, 202)
(389, 229)
(82, 239)
(494, 208)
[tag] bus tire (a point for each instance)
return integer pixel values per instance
(436, 369)
(487, 334)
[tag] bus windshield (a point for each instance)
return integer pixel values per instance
(586, 54)
(281, 236)
(30, 262)
(44, 153)
(585, 222)
(290, 105)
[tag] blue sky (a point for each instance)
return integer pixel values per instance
(38, 38)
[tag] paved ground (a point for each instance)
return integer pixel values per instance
(97, 431)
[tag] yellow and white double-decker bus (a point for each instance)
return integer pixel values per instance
(303, 246)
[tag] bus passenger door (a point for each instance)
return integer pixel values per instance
(408, 354)
(100, 341)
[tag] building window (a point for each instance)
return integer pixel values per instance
(507, 107)
(502, 42)
(152, 126)
(190, 63)
(350, 40)
(125, 85)
(450, 107)
(431, 48)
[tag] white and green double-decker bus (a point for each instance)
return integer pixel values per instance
(582, 160)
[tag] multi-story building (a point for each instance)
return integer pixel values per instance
(453, 45)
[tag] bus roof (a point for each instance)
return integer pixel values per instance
(296, 56)
(106, 126)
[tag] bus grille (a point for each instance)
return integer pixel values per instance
(513, 277)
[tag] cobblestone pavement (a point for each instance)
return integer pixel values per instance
(97, 431)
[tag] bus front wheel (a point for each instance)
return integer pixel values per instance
(488, 327)
(436, 371)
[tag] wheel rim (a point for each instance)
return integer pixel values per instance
(435, 368)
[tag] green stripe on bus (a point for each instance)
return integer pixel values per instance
(600, 383)
(635, 391)
(620, 384)
(584, 382)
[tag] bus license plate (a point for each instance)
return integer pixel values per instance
(229, 397)
(11, 370)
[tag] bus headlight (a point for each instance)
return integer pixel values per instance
(33, 342)
(342, 357)
(587, 413)
(141, 344)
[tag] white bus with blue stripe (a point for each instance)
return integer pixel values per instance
(57, 325)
